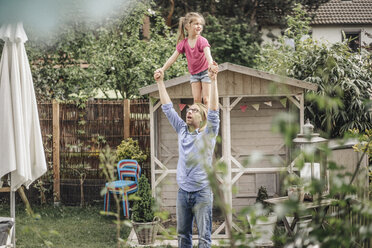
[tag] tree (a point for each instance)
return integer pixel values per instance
(112, 55)
(238, 44)
(124, 60)
(59, 65)
(255, 12)
(344, 78)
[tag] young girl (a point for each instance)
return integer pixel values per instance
(198, 55)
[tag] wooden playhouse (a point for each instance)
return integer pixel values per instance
(249, 101)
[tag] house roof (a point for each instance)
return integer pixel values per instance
(239, 69)
(344, 12)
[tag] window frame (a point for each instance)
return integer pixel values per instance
(346, 33)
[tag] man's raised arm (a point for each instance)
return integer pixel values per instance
(213, 98)
(159, 78)
(167, 106)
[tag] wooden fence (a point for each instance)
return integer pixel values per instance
(345, 156)
(74, 134)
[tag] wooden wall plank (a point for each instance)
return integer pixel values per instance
(222, 83)
(186, 91)
(247, 84)
(240, 203)
(238, 80)
(248, 184)
(256, 86)
(171, 92)
(230, 85)
(265, 86)
(250, 111)
(256, 120)
(179, 89)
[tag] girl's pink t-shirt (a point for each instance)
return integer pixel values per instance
(196, 60)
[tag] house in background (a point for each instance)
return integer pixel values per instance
(332, 19)
(353, 18)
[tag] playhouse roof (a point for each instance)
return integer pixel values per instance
(237, 69)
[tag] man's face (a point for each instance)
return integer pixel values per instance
(193, 116)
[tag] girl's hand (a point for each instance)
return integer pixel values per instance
(213, 67)
(212, 75)
(159, 70)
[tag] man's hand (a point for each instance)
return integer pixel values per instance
(159, 75)
(212, 71)
(213, 98)
(214, 67)
(164, 97)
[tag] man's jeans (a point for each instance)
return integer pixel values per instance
(196, 205)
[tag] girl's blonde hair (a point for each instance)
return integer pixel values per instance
(187, 19)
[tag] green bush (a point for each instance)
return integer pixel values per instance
(129, 149)
(343, 77)
(143, 208)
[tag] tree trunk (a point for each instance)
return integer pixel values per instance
(22, 194)
(146, 27)
(169, 17)
(253, 15)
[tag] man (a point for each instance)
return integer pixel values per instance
(196, 142)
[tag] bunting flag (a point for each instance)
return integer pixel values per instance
(283, 101)
(268, 103)
(182, 106)
(256, 106)
(243, 107)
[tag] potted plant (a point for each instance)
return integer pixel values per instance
(295, 190)
(144, 222)
(263, 221)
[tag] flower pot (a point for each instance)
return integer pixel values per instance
(296, 193)
(301, 225)
(146, 232)
(263, 230)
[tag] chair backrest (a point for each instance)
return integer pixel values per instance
(129, 168)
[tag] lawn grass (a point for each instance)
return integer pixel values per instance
(64, 227)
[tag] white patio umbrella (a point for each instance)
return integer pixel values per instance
(21, 146)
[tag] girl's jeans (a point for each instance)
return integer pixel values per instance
(196, 205)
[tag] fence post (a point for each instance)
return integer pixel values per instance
(56, 142)
(126, 121)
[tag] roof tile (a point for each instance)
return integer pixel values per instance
(344, 12)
